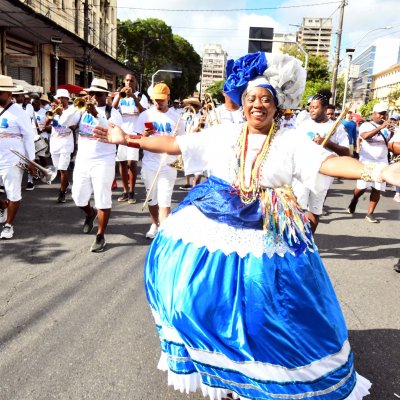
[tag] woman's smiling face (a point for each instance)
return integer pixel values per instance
(259, 109)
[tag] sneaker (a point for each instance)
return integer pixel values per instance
(30, 186)
(61, 197)
(124, 197)
(2, 190)
(131, 198)
(396, 267)
(88, 224)
(151, 234)
(352, 206)
(185, 187)
(3, 215)
(99, 244)
(7, 232)
(371, 218)
(396, 197)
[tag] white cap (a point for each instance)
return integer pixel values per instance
(380, 107)
(62, 93)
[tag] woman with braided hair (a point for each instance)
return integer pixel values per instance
(243, 305)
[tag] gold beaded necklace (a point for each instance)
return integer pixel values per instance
(250, 193)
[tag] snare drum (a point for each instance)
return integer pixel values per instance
(41, 147)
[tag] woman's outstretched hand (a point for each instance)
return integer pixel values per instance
(113, 135)
(391, 174)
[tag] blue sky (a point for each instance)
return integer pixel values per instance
(227, 22)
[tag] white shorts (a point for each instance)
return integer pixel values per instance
(61, 161)
(11, 175)
(126, 153)
(376, 185)
(310, 201)
(96, 179)
(163, 188)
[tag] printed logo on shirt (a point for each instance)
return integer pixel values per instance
(4, 123)
(86, 126)
(160, 128)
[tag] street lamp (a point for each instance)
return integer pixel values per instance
(162, 70)
(142, 57)
(373, 30)
(349, 53)
(56, 41)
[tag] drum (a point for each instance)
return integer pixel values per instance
(41, 147)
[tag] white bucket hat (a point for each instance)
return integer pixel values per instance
(6, 84)
(98, 85)
(62, 93)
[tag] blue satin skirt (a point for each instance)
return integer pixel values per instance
(260, 327)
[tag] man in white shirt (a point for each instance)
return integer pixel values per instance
(95, 163)
(15, 133)
(163, 121)
(230, 111)
(64, 121)
(128, 104)
(316, 128)
(374, 136)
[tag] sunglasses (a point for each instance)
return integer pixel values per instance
(382, 112)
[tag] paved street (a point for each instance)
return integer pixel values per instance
(76, 325)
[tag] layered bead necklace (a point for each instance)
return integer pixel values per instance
(250, 193)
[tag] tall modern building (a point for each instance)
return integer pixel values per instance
(280, 39)
(59, 41)
(380, 55)
(213, 66)
(315, 35)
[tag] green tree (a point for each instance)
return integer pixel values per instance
(149, 45)
(394, 100)
(366, 109)
(215, 91)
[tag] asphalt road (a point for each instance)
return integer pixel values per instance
(76, 325)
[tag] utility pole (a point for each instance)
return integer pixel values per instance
(337, 52)
(86, 39)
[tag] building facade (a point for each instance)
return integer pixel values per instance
(279, 40)
(385, 82)
(213, 66)
(315, 35)
(380, 55)
(54, 42)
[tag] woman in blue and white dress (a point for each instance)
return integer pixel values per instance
(242, 303)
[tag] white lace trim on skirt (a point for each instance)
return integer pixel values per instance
(192, 382)
(219, 236)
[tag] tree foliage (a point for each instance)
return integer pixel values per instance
(394, 100)
(215, 91)
(146, 46)
(366, 109)
(318, 76)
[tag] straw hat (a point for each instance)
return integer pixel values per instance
(19, 90)
(194, 101)
(44, 97)
(98, 85)
(6, 84)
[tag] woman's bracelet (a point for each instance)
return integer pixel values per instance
(372, 172)
(133, 144)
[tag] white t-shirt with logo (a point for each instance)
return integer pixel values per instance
(311, 128)
(225, 115)
(130, 112)
(164, 124)
(62, 138)
(15, 133)
(89, 148)
(373, 149)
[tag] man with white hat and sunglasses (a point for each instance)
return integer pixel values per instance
(64, 121)
(15, 133)
(95, 163)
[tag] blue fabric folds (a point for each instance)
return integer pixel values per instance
(243, 70)
(216, 199)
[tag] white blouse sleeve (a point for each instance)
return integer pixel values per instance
(194, 148)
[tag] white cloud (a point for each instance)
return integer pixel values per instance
(231, 29)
